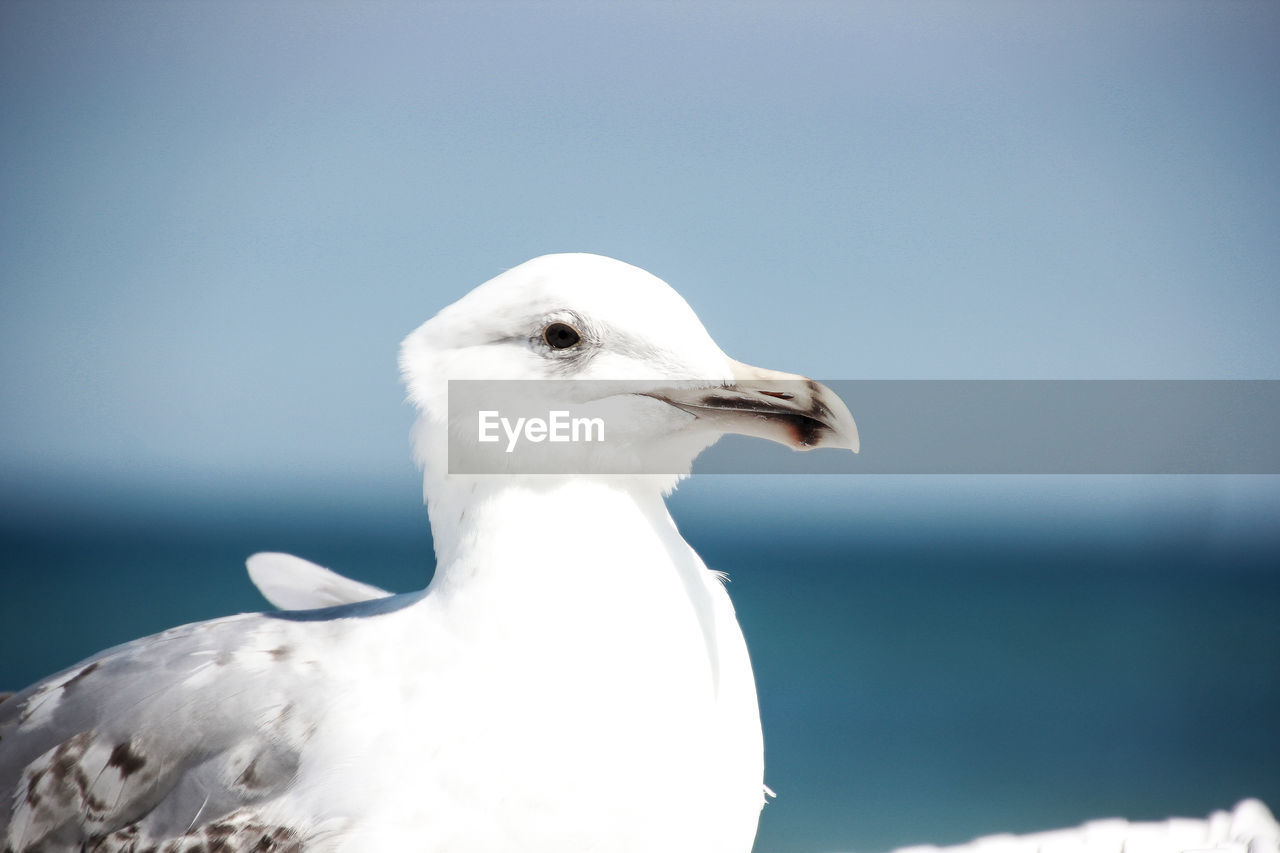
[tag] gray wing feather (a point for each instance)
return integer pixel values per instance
(169, 737)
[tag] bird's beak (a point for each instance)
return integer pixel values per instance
(792, 410)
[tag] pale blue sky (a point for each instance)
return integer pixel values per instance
(219, 219)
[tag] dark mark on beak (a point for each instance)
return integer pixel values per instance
(781, 407)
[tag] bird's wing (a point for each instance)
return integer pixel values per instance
(292, 583)
(1249, 828)
(182, 737)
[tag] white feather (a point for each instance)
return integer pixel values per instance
(292, 583)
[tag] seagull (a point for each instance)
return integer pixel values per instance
(289, 581)
(572, 679)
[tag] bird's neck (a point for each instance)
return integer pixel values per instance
(540, 525)
(545, 524)
(590, 572)
(546, 564)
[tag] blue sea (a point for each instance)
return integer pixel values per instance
(927, 673)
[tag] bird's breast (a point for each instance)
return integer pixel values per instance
(577, 705)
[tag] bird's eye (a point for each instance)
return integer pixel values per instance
(560, 336)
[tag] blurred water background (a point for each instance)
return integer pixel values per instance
(929, 670)
(217, 220)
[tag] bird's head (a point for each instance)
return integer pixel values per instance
(601, 333)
